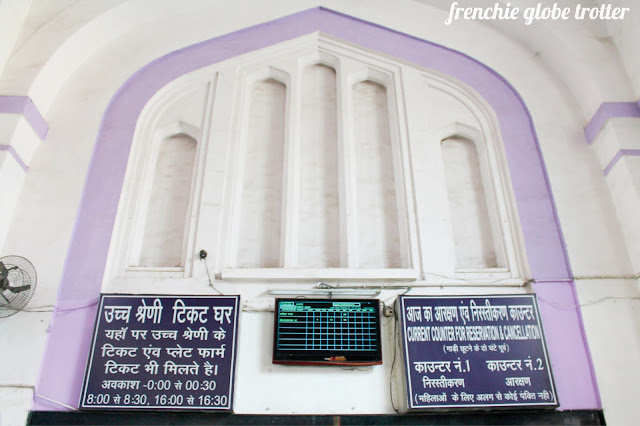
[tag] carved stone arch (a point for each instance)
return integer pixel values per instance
(321, 57)
(373, 75)
(178, 128)
(457, 129)
(472, 208)
(162, 121)
(268, 73)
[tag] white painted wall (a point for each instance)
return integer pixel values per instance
(610, 312)
(73, 88)
(12, 16)
(625, 34)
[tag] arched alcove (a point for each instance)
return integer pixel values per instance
(472, 228)
(166, 212)
(375, 178)
(261, 205)
(319, 217)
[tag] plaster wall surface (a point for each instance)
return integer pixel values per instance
(74, 103)
(610, 312)
(624, 36)
(12, 16)
(16, 402)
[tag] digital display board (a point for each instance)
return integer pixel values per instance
(327, 331)
(475, 352)
(162, 352)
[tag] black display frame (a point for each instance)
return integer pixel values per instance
(329, 356)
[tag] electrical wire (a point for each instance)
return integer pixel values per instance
(573, 306)
(16, 385)
(394, 346)
(477, 282)
(62, 404)
(406, 290)
(202, 259)
(249, 308)
(602, 299)
(53, 308)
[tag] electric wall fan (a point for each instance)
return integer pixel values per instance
(17, 284)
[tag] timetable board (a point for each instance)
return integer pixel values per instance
(327, 331)
(162, 352)
(475, 352)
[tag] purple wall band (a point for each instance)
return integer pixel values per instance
(72, 323)
(25, 106)
(612, 110)
(618, 156)
(15, 156)
(609, 110)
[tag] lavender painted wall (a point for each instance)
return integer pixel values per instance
(618, 156)
(606, 111)
(25, 106)
(15, 156)
(70, 331)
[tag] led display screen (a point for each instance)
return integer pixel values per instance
(327, 331)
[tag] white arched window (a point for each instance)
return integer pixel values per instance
(314, 160)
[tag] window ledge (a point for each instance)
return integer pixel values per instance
(477, 280)
(314, 274)
(154, 272)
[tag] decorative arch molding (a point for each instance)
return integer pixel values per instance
(269, 73)
(71, 328)
(78, 29)
(461, 130)
(178, 128)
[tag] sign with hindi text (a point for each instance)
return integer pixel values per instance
(162, 352)
(475, 352)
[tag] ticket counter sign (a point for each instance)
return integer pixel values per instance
(475, 352)
(162, 352)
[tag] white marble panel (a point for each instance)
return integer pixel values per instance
(260, 212)
(319, 205)
(377, 209)
(166, 216)
(468, 205)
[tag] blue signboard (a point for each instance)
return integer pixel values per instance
(475, 352)
(162, 352)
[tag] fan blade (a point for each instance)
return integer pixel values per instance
(19, 289)
(3, 270)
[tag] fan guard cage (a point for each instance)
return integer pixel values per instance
(20, 272)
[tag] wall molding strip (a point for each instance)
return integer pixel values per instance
(609, 110)
(618, 156)
(10, 104)
(16, 156)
